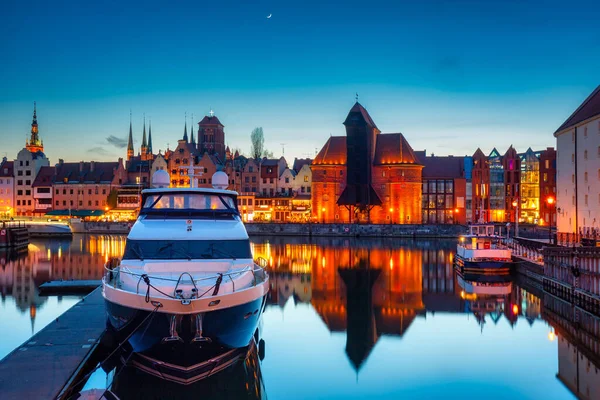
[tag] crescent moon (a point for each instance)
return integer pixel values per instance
(269, 16)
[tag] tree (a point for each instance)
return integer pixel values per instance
(111, 200)
(257, 139)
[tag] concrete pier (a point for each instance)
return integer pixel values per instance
(40, 367)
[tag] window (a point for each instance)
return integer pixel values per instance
(27, 163)
(28, 182)
(547, 164)
(57, 203)
(20, 182)
(28, 193)
(80, 203)
(545, 177)
(306, 177)
(96, 202)
(250, 169)
(247, 179)
(572, 158)
(287, 180)
(20, 173)
(18, 202)
(64, 202)
(585, 132)
(249, 202)
(28, 172)
(264, 181)
(573, 178)
(70, 191)
(383, 173)
(20, 163)
(586, 199)
(271, 180)
(28, 202)
(19, 193)
(253, 179)
(89, 191)
(56, 191)
(585, 177)
(585, 155)
(89, 202)
(71, 203)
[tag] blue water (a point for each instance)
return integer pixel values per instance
(359, 319)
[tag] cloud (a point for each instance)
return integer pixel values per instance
(99, 151)
(117, 142)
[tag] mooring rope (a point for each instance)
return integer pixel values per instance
(86, 376)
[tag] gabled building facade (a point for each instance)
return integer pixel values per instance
(366, 176)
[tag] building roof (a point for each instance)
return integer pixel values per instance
(44, 177)
(333, 152)
(392, 148)
(137, 165)
(208, 120)
(588, 109)
(80, 172)
(443, 167)
(358, 110)
(9, 166)
(270, 162)
(300, 162)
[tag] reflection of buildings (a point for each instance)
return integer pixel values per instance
(578, 335)
(367, 288)
(83, 257)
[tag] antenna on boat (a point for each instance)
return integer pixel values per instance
(191, 172)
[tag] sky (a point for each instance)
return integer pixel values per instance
(451, 75)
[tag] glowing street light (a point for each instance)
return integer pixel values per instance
(323, 215)
(550, 200)
(391, 215)
(515, 204)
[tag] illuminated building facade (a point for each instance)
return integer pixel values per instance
(444, 189)
(512, 180)
(530, 187)
(86, 185)
(480, 186)
(7, 188)
(366, 176)
(497, 192)
(578, 168)
(548, 186)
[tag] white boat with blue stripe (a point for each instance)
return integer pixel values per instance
(187, 278)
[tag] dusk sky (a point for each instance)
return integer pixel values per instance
(451, 75)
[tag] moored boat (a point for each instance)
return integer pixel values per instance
(483, 250)
(187, 278)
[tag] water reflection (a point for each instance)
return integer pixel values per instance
(81, 257)
(369, 318)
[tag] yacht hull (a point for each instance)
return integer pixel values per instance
(231, 327)
(467, 266)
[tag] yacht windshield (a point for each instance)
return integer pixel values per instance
(186, 249)
(189, 201)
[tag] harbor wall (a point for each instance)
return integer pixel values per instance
(356, 230)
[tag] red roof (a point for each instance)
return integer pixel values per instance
(443, 167)
(392, 148)
(588, 109)
(44, 177)
(333, 152)
(78, 173)
(9, 166)
(210, 121)
(359, 109)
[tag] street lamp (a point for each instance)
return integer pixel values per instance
(515, 204)
(323, 215)
(550, 201)
(391, 215)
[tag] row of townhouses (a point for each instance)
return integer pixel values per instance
(364, 176)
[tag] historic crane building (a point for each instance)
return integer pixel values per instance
(366, 176)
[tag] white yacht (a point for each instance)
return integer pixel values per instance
(483, 250)
(188, 262)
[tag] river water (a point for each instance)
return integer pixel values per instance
(351, 319)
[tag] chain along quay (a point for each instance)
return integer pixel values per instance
(365, 290)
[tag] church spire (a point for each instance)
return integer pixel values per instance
(144, 147)
(34, 144)
(130, 141)
(193, 141)
(150, 137)
(185, 135)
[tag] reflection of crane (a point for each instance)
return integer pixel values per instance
(283, 149)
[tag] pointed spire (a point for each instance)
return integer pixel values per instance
(34, 113)
(144, 142)
(130, 141)
(150, 137)
(185, 135)
(192, 130)
(34, 144)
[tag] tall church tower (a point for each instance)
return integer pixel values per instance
(130, 141)
(34, 144)
(211, 136)
(144, 147)
(149, 154)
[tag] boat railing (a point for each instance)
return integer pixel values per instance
(112, 276)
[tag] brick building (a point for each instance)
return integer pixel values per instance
(366, 176)
(548, 185)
